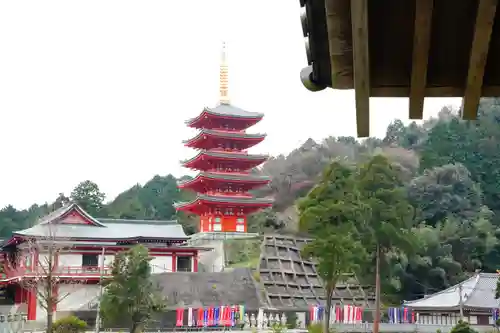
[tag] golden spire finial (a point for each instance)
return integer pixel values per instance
(224, 77)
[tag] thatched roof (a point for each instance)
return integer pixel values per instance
(412, 48)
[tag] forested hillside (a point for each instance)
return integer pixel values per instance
(452, 175)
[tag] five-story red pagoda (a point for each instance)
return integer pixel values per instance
(225, 176)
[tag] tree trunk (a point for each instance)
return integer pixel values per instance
(50, 305)
(136, 328)
(50, 316)
(329, 293)
(376, 321)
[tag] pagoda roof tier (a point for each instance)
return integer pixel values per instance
(206, 160)
(200, 204)
(225, 114)
(207, 139)
(206, 180)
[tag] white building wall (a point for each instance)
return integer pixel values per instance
(215, 260)
(70, 260)
(76, 296)
(41, 314)
(43, 259)
(108, 260)
(73, 297)
(161, 264)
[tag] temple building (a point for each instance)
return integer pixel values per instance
(79, 250)
(225, 176)
(472, 300)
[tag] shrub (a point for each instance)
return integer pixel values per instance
(315, 328)
(462, 327)
(278, 328)
(318, 328)
(69, 324)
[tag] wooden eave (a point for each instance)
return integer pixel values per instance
(225, 178)
(225, 156)
(228, 201)
(394, 48)
(235, 136)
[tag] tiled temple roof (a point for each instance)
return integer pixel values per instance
(228, 110)
(478, 292)
(87, 227)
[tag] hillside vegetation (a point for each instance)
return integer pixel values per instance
(452, 179)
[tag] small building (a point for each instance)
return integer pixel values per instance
(70, 244)
(476, 294)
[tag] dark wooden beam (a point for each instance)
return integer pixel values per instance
(361, 65)
(388, 91)
(485, 18)
(421, 46)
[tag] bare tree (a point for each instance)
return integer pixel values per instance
(43, 274)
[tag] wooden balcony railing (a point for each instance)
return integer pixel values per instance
(63, 271)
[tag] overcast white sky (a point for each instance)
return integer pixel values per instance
(100, 90)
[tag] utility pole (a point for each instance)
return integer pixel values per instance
(461, 301)
(376, 322)
(101, 273)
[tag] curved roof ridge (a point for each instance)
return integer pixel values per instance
(133, 221)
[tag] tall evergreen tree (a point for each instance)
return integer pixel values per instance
(388, 227)
(330, 214)
(88, 196)
(131, 297)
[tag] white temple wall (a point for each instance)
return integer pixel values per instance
(108, 260)
(43, 259)
(41, 314)
(70, 260)
(215, 260)
(73, 297)
(161, 264)
(76, 296)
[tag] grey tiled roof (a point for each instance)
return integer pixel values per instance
(223, 134)
(228, 110)
(109, 229)
(477, 292)
(226, 198)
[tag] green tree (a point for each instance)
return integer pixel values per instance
(330, 214)
(69, 324)
(473, 144)
(388, 228)
(462, 327)
(336, 252)
(445, 191)
(334, 201)
(88, 196)
(131, 297)
(497, 290)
